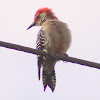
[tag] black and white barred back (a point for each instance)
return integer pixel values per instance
(40, 45)
(48, 79)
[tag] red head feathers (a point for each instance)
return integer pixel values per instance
(48, 12)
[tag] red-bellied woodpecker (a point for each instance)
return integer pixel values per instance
(54, 37)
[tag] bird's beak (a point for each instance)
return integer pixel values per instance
(33, 24)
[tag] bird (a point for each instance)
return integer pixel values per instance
(54, 36)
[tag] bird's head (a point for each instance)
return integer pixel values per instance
(41, 16)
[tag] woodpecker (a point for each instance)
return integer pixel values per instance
(55, 37)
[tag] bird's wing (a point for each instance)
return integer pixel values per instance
(40, 45)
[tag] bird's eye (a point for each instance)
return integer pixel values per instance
(38, 17)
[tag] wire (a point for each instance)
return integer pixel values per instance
(63, 57)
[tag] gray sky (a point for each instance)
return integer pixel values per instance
(18, 70)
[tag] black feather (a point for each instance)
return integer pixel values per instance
(49, 80)
(40, 45)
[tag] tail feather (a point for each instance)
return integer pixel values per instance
(39, 73)
(49, 80)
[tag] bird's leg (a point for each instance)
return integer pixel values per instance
(66, 57)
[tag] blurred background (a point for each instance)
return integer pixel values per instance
(18, 70)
